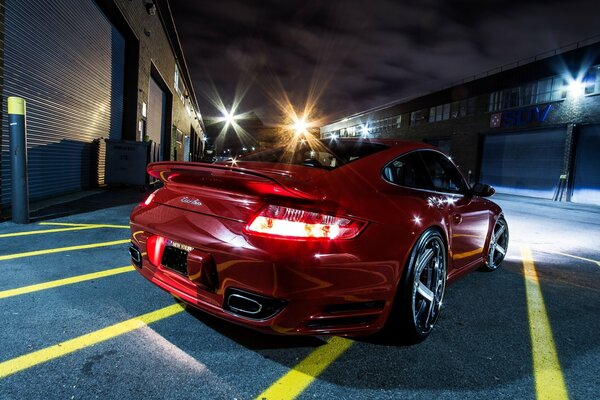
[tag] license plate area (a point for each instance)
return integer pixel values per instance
(175, 257)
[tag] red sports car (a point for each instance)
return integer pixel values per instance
(320, 237)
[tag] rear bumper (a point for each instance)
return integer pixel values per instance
(319, 311)
(301, 288)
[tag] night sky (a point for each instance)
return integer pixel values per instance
(348, 56)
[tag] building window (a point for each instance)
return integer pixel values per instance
(559, 91)
(495, 101)
(457, 109)
(419, 117)
(544, 90)
(541, 91)
(511, 98)
(528, 94)
(371, 127)
(592, 80)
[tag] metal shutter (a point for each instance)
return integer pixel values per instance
(67, 60)
(586, 184)
(524, 163)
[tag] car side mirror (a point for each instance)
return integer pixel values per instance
(482, 190)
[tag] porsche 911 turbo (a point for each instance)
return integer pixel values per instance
(320, 237)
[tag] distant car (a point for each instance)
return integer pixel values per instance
(327, 237)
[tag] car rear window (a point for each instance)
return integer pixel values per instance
(327, 154)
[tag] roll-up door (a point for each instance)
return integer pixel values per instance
(67, 60)
(586, 183)
(157, 102)
(524, 163)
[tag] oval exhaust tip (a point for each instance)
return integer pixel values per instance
(243, 304)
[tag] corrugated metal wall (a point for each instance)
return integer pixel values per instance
(67, 60)
(524, 163)
(587, 166)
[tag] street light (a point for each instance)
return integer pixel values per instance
(229, 117)
(300, 126)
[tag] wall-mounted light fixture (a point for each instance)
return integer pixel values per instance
(150, 7)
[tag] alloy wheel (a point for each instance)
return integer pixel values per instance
(498, 244)
(429, 284)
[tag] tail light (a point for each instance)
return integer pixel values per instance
(288, 222)
(155, 246)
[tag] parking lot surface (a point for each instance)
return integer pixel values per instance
(79, 323)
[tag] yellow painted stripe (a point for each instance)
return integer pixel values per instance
(61, 249)
(549, 380)
(44, 231)
(66, 281)
(85, 225)
(29, 360)
(292, 384)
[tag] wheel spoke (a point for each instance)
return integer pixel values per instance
(500, 232)
(423, 260)
(425, 292)
(419, 313)
(500, 249)
(430, 311)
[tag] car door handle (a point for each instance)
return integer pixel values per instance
(457, 218)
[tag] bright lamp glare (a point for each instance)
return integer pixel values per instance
(300, 126)
(576, 89)
(229, 117)
(365, 130)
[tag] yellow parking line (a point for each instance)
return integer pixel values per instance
(66, 281)
(29, 360)
(292, 384)
(61, 249)
(86, 225)
(43, 231)
(549, 380)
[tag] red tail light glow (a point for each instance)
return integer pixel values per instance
(155, 246)
(288, 222)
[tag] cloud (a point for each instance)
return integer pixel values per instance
(354, 55)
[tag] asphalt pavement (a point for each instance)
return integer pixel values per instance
(79, 323)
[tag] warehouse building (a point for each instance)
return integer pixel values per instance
(531, 128)
(91, 70)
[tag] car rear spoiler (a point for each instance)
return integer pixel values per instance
(228, 178)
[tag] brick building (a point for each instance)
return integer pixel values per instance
(531, 128)
(92, 69)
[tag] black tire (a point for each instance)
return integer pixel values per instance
(421, 291)
(498, 246)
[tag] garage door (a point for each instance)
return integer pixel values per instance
(67, 60)
(524, 163)
(586, 184)
(157, 102)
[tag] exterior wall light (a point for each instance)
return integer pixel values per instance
(365, 130)
(576, 89)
